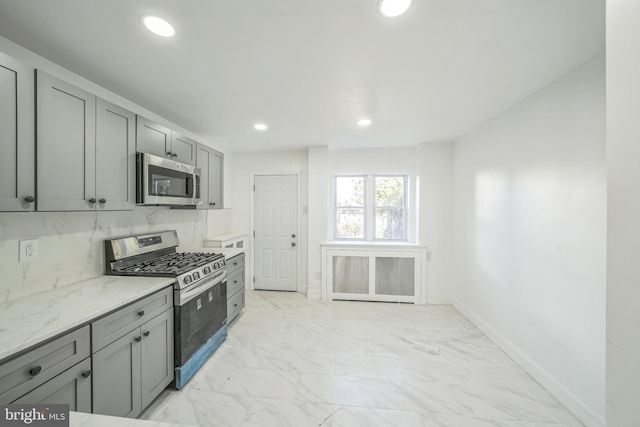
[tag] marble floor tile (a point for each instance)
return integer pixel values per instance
(289, 361)
(205, 409)
(369, 366)
(420, 396)
(339, 390)
(261, 383)
(288, 413)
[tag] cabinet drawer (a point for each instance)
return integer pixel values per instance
(23, 374)
(235, 282)
(234, 305)
(235, 263)
(113, 326)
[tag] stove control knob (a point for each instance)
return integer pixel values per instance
(222, 263)
(196, 275)
(207, 270)
(187, 280)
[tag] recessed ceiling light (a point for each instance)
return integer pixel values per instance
(392, 8)
(260, 126)
(364, 122)
(157, 25)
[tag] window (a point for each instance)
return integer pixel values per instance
(370, 207)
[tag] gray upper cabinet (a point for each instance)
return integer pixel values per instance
(211, 164)
(115, 157)
(161, 141)
(85, 150)
(66, 144)
(17, 171)
(183, 148)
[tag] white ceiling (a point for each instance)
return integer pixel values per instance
(311, 69)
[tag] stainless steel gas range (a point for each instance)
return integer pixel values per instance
(200, 292)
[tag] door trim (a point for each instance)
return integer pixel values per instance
(298, 174)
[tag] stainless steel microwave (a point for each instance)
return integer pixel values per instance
(161, 181)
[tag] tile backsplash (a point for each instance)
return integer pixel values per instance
(72, 243)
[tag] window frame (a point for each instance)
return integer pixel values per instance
(369, 207)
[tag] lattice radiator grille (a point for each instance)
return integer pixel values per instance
(351, 274)
(395, 276)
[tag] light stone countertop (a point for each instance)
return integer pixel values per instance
(227, 252)
(80, 419)
(31, 320)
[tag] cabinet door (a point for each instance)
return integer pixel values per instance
(115, 157)
(65, 146)
(116, 377)
(72, 387)
(157, 356)
(183, 149)
(152, 138)
(17, 144)
(203, 160)
(216, 180)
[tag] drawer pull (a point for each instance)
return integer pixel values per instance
(235, 281)
(141, 313)
(35, 371)
(146, 334)
(235, 305)
(86, 374)
(137, 339)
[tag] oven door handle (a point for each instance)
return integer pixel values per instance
(187, 294)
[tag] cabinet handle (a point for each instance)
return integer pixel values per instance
(169, 153)
(35, 371)
(235, 281)
(174, 155)
(235, 305)
(103, 200)
(137, 339)
(86, 374)
(29, 199)
(146, 334)
(141, 313)
(92, 200)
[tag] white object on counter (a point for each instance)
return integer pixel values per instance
(31, 320)
(229, 240)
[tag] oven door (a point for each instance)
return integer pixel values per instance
(198, 318)
(162, 181)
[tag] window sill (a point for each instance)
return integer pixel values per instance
(372, 244)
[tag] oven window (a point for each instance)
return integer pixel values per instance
(166, 182)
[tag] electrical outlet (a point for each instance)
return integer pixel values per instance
(318, 275)
(29, 250)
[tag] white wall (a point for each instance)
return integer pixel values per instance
(435, 173)
(71, 243)
(530, 234)
(623, 246)
(319, 181)
(245, 167)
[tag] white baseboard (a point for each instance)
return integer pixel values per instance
(439, 299)
(573, 403)
(303, 288)
(314, 294)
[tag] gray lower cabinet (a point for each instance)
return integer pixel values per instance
(85, 150)
(17, 143)
(235, 286)
(132, 370)
(161, 141)
(211, 164)
(72, 387)
(55, 372)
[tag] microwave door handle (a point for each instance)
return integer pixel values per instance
(190, 186)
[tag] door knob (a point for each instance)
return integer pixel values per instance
(29, 199)
(92, 200)
(293, 235)
(293, 243)
(103, 200)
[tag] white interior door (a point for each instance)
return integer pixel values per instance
(276, 226)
